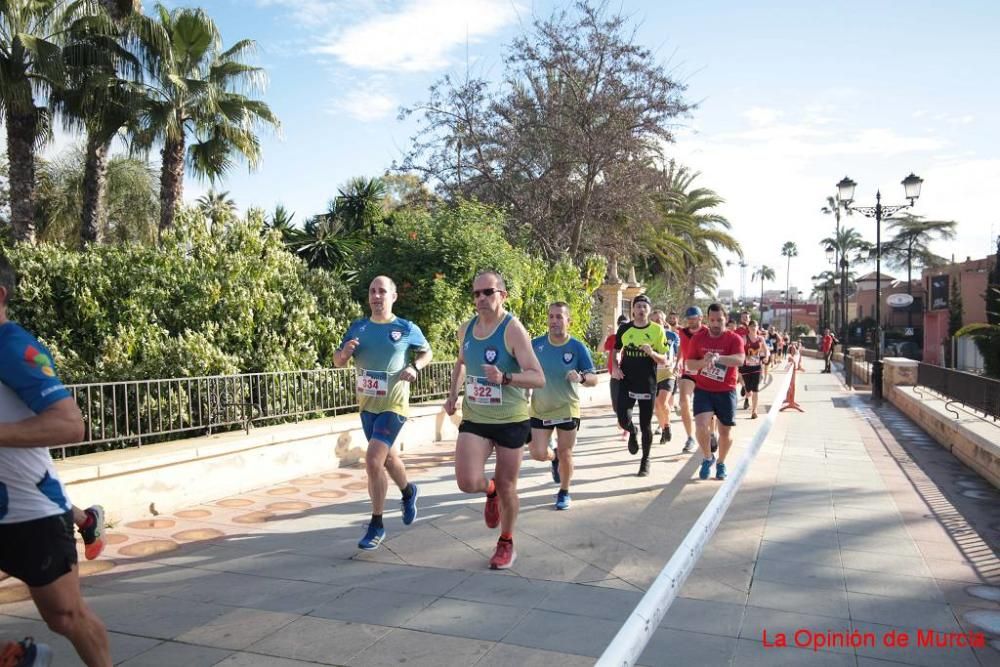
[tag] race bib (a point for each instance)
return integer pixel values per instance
(715, 372)
(640, 397)
(753, 360)
(373, 383)
(481, 391)
(556, 422)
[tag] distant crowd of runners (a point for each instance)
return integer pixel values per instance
(513, 390)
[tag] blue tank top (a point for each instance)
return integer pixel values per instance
(486, 402)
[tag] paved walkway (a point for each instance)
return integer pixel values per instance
(849, 519)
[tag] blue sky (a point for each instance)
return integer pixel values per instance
(792, 96)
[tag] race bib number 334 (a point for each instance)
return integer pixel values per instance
(373, 383)
(481, 391)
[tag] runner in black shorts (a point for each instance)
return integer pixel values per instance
(757, 358)
(497, 363)
(37, 544)
(686, 382)
(567, 364)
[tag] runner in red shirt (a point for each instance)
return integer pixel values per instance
(686, 382)
(716, 355)
(826, 347)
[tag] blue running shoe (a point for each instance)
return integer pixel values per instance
(720, 471)
(562, 500)
(555, 468)
(706, 467)
(410, 505)
(373, 537)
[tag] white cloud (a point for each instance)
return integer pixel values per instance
(762, 115)
(366, 105)
(775, 178)
(310, 12)
(419, 36)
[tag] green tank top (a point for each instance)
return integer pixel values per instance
(485, 402)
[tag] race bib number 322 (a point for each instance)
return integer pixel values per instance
(373, 383)
(481, 391)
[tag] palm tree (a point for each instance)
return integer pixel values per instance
(764, 273)
(360, 203)
(216, 206)
(848, 244)
(33, 63)
(131, 199)
(104, 96)
(824, 283)
(281, 221)
(789, 250)
(686, 235)
(911, 245)
(195, 96)
(835, 207)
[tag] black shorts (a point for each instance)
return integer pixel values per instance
(688, 377)
(38, 552)
(668, 385)
(751, 381)
(512, 435)
(572, 425)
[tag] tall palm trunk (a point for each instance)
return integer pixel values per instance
(95, 176)
(21, 131)
(171, 181)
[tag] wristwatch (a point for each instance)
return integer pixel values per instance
(506, 378)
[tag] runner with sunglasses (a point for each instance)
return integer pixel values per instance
(496, 364)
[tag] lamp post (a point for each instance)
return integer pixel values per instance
(830, 313)
(843, 304)
(911, 187)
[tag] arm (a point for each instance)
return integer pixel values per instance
(59, 424)
(420, 361)
(457, 375)
(344, 353)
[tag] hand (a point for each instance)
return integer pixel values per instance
(450, 405)
(493, 374)
(574, 377)
(350, 347)
(617, 374)
(711, 358)
(408, 374)
(647, 349)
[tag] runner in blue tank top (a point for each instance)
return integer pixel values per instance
(381, 346)
(497, 364)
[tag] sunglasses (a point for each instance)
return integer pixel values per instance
(489, 291)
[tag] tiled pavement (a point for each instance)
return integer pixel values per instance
(850, 519)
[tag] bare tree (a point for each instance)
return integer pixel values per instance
(567, 142)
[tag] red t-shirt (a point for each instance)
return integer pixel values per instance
(742, 331)
(685, 335)
(609, 347)
(716, 378)
(827, 342)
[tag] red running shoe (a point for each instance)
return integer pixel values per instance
(491, 513)
(93, 534)
(504, 556)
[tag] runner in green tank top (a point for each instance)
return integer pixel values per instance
(496, 364)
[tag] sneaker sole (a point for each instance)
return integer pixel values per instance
(513, 557)
(96, 548)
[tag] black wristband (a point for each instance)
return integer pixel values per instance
(416, 371)
(506, 379)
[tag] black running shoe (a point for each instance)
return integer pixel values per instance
(633, 444)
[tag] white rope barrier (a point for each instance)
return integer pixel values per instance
(637, 630)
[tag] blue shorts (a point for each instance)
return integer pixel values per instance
(721, 403)
(383, 426)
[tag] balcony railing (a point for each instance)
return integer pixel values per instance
(978, 393)
(142, 412)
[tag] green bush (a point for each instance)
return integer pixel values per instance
(434, 256)
(203, 303)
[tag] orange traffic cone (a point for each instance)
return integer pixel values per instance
(790, 403)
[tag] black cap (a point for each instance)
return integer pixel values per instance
(642, 298)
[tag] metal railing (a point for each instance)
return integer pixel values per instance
(134, 413)
(975, 392)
